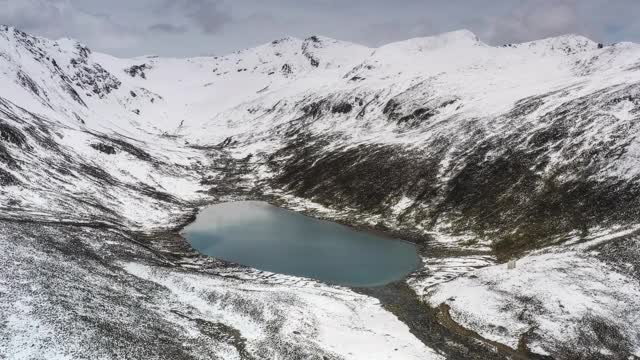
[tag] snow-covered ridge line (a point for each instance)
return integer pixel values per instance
(567, 43)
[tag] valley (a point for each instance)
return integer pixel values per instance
(478, 155)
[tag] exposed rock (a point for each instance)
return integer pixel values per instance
(342, 108)
(138, 70)
(107, 149)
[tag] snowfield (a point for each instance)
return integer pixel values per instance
(478, 154)
(558, 295)
(338, 325)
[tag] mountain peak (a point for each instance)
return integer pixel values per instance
(567, 44)
(285, 40)
(319, 39)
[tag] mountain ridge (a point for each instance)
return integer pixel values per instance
(444, 37)
(477, 154)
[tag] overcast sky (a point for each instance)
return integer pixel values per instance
(203, 27)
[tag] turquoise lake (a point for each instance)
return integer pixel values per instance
(266, 237)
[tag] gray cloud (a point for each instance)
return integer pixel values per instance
(206, 15)
(168, 28)
(196, 27)
(60, 18)
(534, 20)
(31, 14)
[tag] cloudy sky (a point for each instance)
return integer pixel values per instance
(202, 27)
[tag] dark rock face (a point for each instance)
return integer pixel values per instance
(406, 113)
(29, 84)
(97, 174)
(342, 108)
(92, 76)
(154, 193)
(6, 178)
(107, 149)
(6, 158)
(85, 74)
(310, 43)
(315, 109)
(73, 93)
(417, 117)
(12, 137)
(286, 69)
(391, 109)
(114, 142)
(42, 136)
(12, 134)
(138, 70)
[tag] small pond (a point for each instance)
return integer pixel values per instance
(269, 238)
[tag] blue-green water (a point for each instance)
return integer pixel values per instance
(266, 237)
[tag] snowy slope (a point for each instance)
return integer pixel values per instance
(477, 153)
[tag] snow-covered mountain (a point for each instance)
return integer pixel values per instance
(479, 154)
